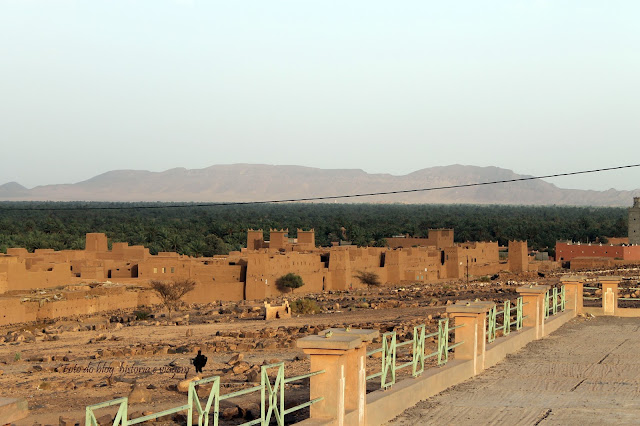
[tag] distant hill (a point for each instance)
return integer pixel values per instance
(257, 182)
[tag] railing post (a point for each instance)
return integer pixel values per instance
(418, 349)
(491, 325)
(533, 300)
(546, 305)
(610, 294)
(343, 384)
(519, 313)
(472, 317)
(573, 285)
(506, 318)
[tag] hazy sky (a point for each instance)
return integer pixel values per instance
(386, 86)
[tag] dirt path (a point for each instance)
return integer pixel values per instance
(586, 373)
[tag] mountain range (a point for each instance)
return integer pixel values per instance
(260, 182)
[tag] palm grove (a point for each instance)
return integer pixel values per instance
(207, 231)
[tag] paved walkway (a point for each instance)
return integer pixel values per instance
(586, 373)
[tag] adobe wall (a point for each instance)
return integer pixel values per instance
(518, 256)
(481, 258)
(578, 263)
(419, 264)
(339, 275)
(96, 242)
(18, 277)
(441, 238)
(125, 253)
(367, 259)
(407, 241)
(255, 239)
(252, 274)
(13, 310)
(438, 238)
(264, 268)
(278, 239)
(213, 292)
(306, 240)
(204, 270)
(454, 264)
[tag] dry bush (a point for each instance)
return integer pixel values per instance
(368, 278)
(171, 292)
(305, 306)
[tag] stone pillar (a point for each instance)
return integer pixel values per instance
(533, 306)
(356, 373)
(473, 317)
(343, 384)
(574, 292)
(610, 294)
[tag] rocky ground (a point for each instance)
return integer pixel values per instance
(63, 366)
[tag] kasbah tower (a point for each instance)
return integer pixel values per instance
(634, 222)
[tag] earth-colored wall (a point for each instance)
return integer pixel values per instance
(250, 274)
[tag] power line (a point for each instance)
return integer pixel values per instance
(331, 197)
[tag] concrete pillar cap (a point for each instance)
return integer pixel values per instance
(573, 278)
(470, 308)
(365, 335)
(342, 342)
(611, 278)
(535, 289)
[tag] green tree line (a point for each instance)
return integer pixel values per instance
(206, 231)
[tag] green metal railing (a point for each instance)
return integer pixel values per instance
(554, 301)
(630, 299)
(491, 323)
(506, 312)
(271, 401)
(390, 345)
(594, 297)
(519, 313)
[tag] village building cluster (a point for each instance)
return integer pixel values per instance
(28, 280)
(614, 251)
(250, 274)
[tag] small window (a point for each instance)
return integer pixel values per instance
(164, 270)
(155, 270)
(173, 269)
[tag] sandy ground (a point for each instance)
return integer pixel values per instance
(586, 373)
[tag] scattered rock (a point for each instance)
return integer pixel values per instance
(183, 386)
(253, 375)
(105, 420)
(231, 412)
(236, 358)
(249, 410)
(139, 394)
(240, 367)
(66, 421)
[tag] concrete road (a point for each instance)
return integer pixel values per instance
(586, 373)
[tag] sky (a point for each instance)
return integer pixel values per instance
(538, 87)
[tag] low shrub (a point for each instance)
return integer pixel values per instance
(305, 306)
(142, 315)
